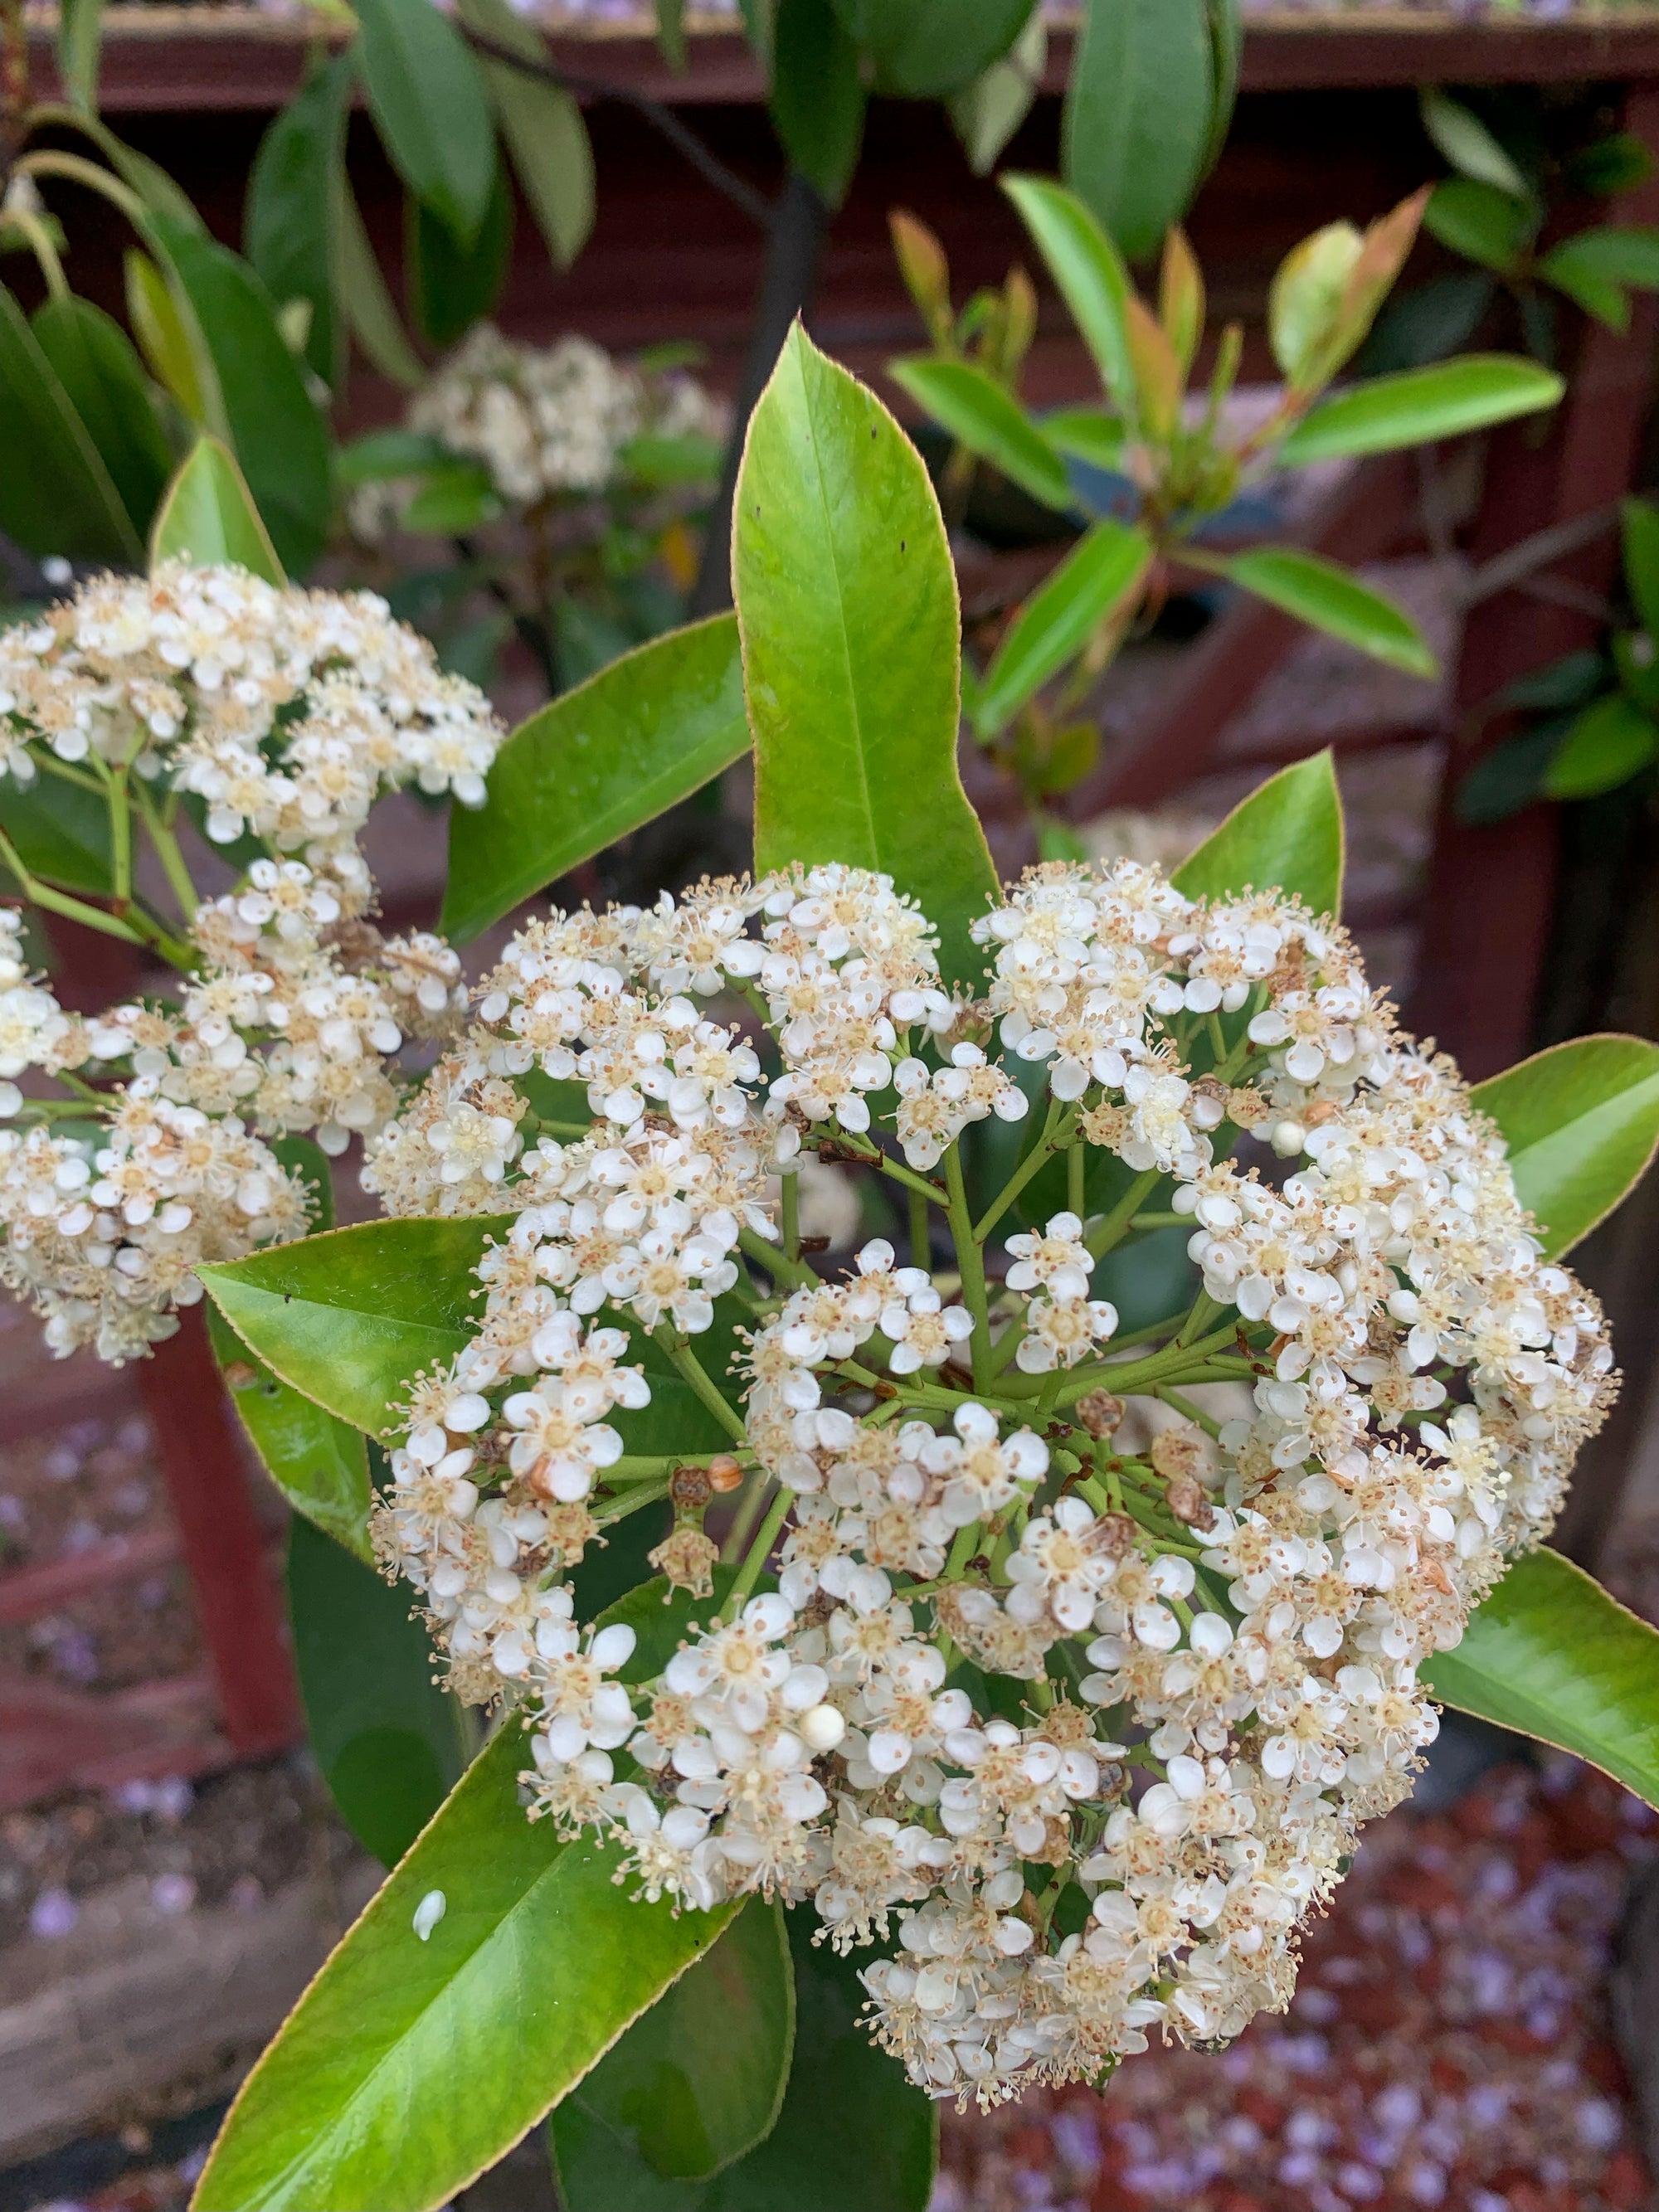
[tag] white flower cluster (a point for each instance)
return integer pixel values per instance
(286, 712)
(546, 420)
(1079, 1732)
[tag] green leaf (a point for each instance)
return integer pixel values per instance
(1137, 116)
(288, 222)
(1624, 253)
(1418, 406)
(1640, 532)
(1102, 571)
(279, 438)
(817, 2157)
(1089, 271)
(1509, 777)
(700, 2079)
(428, 101)
(408, 2067)
(670, 32)
(61, 830)
(1428, 322)
(847, 608)
(1607, 745)
(362, 290)
(1617, 164)
(1289, 832)
(453, 499)
(80, 41)
(208, 515)
(319, 1463)
(451, 286)
(1480, 223)
(986, 114)
(387, 1738)
(56, 494)
(101, 375)
(1581, 1121)
(1552, 1656)
(1089, 435)
(382, 456)
(1332, 598)
(1466, 142)
(350, 1317)
(1226, 28)
(1590, 287)
(979, 414)
(638, 737)
(926, 49)
(543, 130)
(817, 95)
(174, 351)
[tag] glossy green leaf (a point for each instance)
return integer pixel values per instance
(1614, 253)
(408, 2067)
(1418, 406)
(1094, 580)
(818, 94)
(1551, 1655)
(288, 225)
(1582, 1121)
(1480, 221)
(386, 1737)
(1089, 271)
(979, 414)
(56, 494)
(1089, 435)
(208, 515)
(543, 130)
(1289, 832)
(61, 830)
(350, 1317)
(1605, 745)
(320, 1464)
(926, 49)
(988, 112)
(699, 2080)
(94, 361)
(382, 456)
(278, 435)
(453, 499)
(428, 101)
(451, 286)
(853, 2131)
(1138, 115)
(174, 351)
(847, 607)
(1226, 28)
(362, 291)
(637, 739)
(1588, 286)
(80, 41)
(1464, 140)
(1333, 598)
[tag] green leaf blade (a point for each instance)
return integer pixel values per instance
(645, 732)
(94, 362)
(207, 516)
(847, 608)
(318, 1462)
(979, 414)
(407, 2067)
(56, 494)
(1138, 115)
(818, 94)
(1415, 406)
(1552, 1656)
(1332, 598)
(1090, 272)
(427, 97)
(1605, 746)
(1289, 832)
(1581, 1123)
(1096, 579)
(288, 226)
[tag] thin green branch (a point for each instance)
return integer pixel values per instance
(765, 1537)
(1059, 1121)
(167, 851)
(1111, 1228)
(708, 1391)
(971, 1258)
(797, 1274)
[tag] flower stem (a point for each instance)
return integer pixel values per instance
(1115, 1224)
(921, 1231)
(692, 1368)
(1076, 1175)
(1059, 1121)
(791, 1211)
(971, 1260)
(168, 852)
(749, 1573)
(776, 1262)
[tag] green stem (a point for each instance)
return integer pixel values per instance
(72, 909)
(921, 1231)
(692, 1368)
(765, 1537)
(971, 1260)
(1203, 1307)
(120, 830)
(53, 766)
(1176, 1361)
(638, 1496)
(1188, 1411)
(1113, 1226)
(751, 1505)
(1057, 1126)
(167, 851)
(1161, 1220)
(1076, 1176)
(791, 1212)
(776, 1262)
